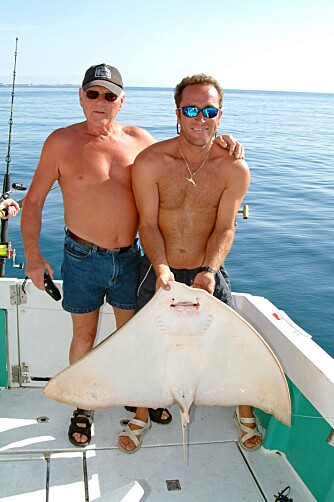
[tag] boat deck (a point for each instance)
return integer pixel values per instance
(38, 463)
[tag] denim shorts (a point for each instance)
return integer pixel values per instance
(146, 287)
(90, 277)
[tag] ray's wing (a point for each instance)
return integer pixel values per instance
(238, 367)
(127, 368)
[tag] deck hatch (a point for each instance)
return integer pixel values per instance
(173, 485)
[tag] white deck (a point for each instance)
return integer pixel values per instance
(38, 463)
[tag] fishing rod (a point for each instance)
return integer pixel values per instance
(6, 179)
(6, 250)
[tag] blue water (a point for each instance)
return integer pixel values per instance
(285, 250)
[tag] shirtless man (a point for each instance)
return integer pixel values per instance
(188, 192)
(102, 255)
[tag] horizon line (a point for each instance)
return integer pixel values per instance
(5, 85)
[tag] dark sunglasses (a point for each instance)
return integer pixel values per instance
(209, 112)
(108, 96)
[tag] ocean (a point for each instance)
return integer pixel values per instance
(284, 251)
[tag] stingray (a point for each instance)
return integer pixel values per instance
(184, 346)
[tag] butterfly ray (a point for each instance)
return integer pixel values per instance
(184, 346)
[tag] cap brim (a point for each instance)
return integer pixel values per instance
(103, 83)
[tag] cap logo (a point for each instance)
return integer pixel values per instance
(102, 71)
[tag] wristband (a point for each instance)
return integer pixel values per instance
(208, 269)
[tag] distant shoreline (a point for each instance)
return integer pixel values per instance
(40, 85)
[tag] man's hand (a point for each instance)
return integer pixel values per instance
(164, 275)
(227, 141)
(205, 280)
(35, 270)
(8, 209)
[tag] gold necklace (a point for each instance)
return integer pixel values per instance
(191, 175)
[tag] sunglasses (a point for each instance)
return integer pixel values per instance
(209, 112)
(108, 96)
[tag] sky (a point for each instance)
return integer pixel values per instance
(284, 45)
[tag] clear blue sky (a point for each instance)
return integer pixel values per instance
(246, 44)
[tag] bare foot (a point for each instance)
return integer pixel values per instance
(164, 415)
(80, 438)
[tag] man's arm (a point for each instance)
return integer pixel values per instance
(31, 221)
(222, 237)
(145, 188)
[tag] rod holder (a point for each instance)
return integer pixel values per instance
(244, 211)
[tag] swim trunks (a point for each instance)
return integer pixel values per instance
(146, 287)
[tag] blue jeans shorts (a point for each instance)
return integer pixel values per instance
(91, 276)
(146, 287)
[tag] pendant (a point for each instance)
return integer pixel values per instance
(191, 181)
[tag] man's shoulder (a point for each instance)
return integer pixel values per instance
(65, 132)
(164, 147)
(136, 132)
(227, 160)
(62, 138)
(153, 158)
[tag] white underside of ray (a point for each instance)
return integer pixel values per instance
(184, 346)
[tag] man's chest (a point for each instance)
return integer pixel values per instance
(94, 162)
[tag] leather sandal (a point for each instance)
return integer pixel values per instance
(81, 417)
(135, 435)
(249, 432)
(155, 414)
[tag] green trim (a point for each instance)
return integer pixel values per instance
(304, 444)
(3, 349)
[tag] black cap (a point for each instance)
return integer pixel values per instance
(104, 75)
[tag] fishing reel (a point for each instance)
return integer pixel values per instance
(5, 196)
(8, 253)
(15, 186)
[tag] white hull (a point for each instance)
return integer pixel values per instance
(37, 459)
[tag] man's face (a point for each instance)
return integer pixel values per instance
(199, 130)
(100, 110)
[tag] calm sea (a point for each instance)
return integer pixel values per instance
(284, 251)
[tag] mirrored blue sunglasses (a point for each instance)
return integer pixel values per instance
(209, 112)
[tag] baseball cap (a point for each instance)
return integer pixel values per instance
(104, 75)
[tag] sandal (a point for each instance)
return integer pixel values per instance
(133, 434)
(81, 417)
(155, 415)
(241, 424)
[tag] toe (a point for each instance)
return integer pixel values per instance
(254, 441)
(164, 415)
(126, 443)
(79, 438)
